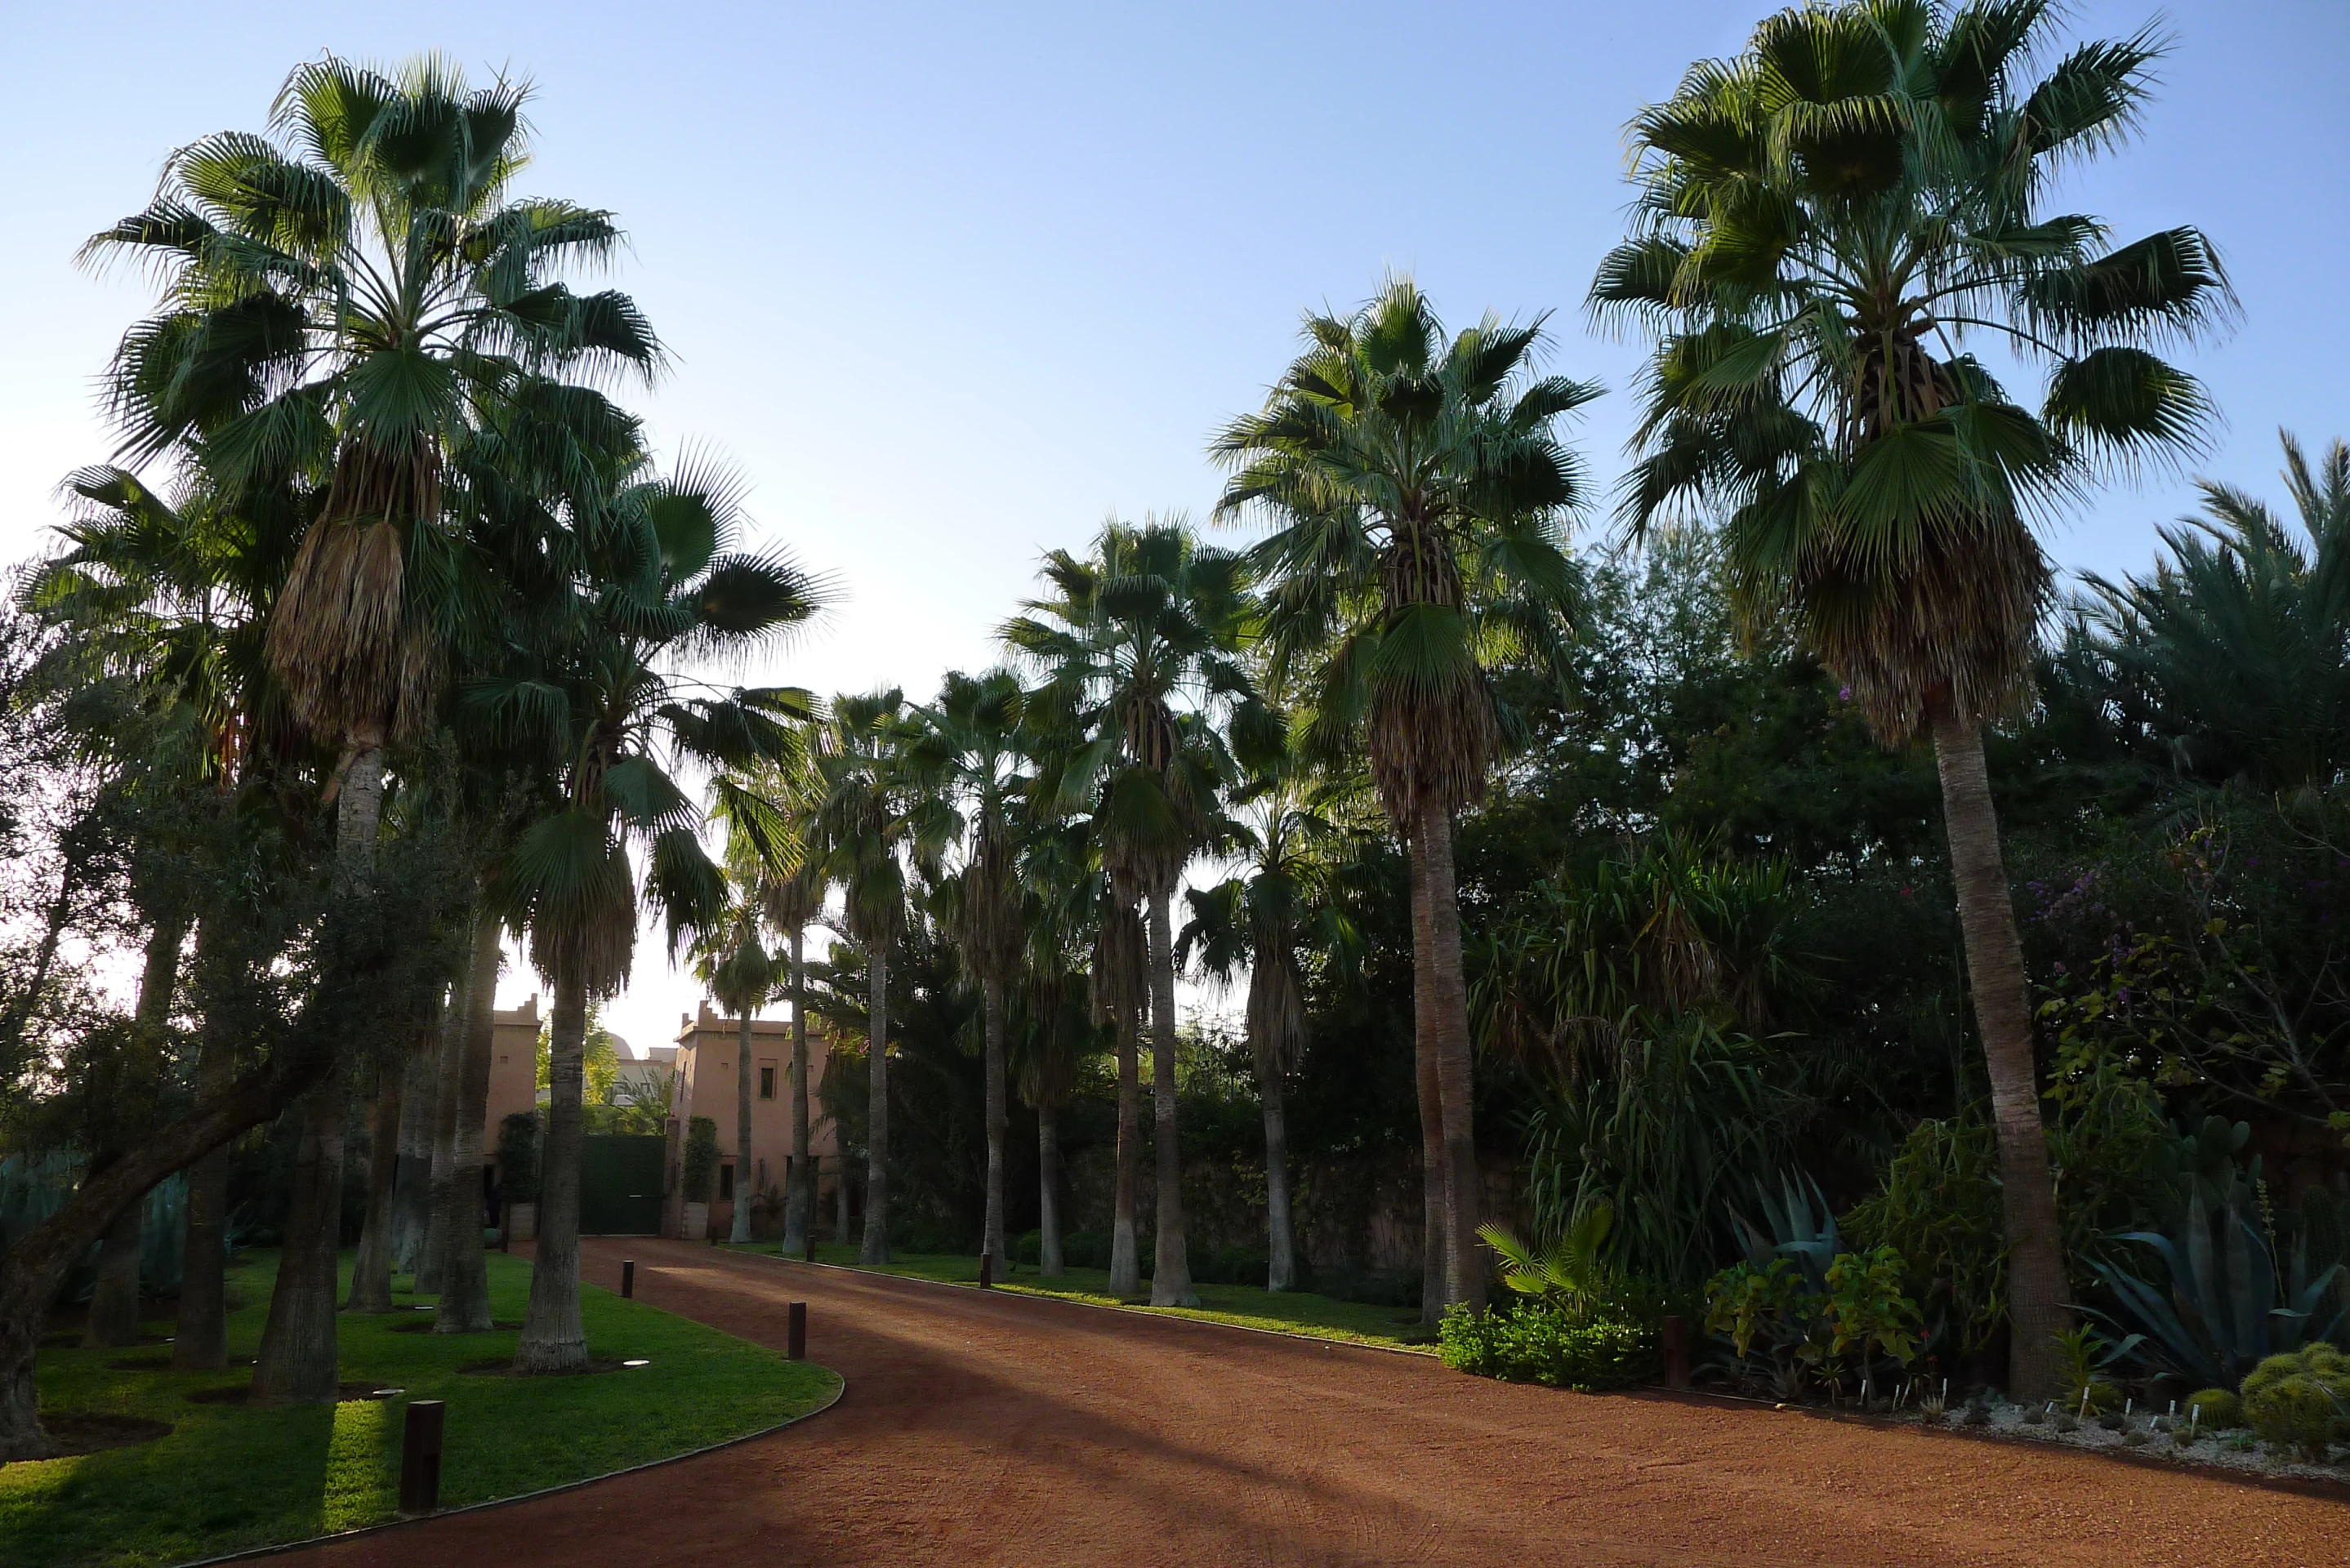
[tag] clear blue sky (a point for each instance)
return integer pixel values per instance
(949, 282)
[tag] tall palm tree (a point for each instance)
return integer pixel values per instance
(1288, 836)
(2233, 655)
(969, 746)
(1825, 222)
(1417, 492)
(1143, 638)
(613, 699)
(868, 822)
(345, 297)
(794, 902)
(733, 960)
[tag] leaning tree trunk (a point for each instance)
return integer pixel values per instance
(411, 1182)
(114, 1300)
(1125, 1257)
(991, 1230)
(200, 1340)
(876, 1246)
(1434, 1203)
(1465, 1254)
(2035, 1254)
(448, 1076)
(1048, 1191)
(553, 1339)
(1281, 1273)
(465, 1304)
(36, 1264)
(745, 1183)
(298, 1364)
(1171, 1275)
(799, 1182)
(371, 1268)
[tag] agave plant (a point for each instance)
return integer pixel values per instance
(2226, 1309)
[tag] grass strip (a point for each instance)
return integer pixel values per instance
(228, 1478)
(1299, 1312)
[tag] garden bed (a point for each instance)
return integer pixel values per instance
(196, 1479)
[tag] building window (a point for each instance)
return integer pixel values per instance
(725, 1182)
(766, 1083)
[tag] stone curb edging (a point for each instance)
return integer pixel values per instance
(337, 1537)
(1159, 1314)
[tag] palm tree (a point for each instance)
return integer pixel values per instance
(868, 821)
(1417, 492)
(612, 698)
(1286, 841)
(2233, 657)
(1824, 221)
(793, 899)
(1152, 620)
(346, 299)
(730, 959)
(969, 746)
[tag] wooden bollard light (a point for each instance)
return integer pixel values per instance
(796, 1332)
(1673, 1340)
(627, 1279)
(811, 1244)
(986, 1271)
(420, 1457)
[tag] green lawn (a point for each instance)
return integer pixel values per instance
(228, 1477)
(1284, 1311)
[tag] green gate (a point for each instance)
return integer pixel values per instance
(621, 1184)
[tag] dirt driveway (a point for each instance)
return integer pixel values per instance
(986, 1429)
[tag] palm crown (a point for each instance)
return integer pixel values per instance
(360, 285)
(1825, 222)
(1418, 488)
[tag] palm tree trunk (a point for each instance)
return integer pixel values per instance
(299, 1360)
(1048, 1191)
(553, 1339)
(1125, 1256)
(371, 1268)
(464, 1304)
(1465, 1254)
(2035, 1254)
(449, 1075)
(745, 1179)
(1281, 1273)
(875, 1247)
(1434, 1203)
(114, 1300)
(298, 1364)
(200, 1340)
(991, 1230)
(1171, 1275)
(799, 1194)
(411, 1182)
(840, 1203)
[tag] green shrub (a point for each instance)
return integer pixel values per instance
(2220, 1410)
(1540, 1344)
(699, 1176)
(2299, 1399)
(1028, 1247)
(1087, 1249)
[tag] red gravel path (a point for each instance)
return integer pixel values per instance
(983, 1429)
